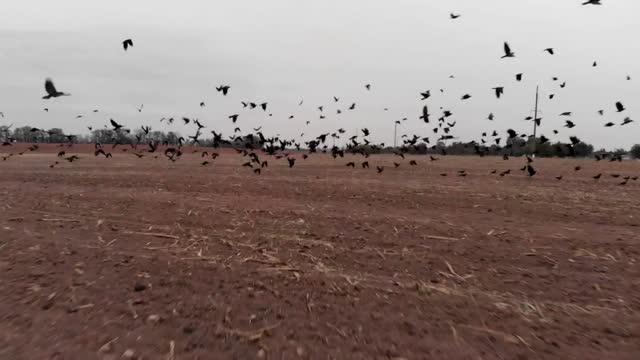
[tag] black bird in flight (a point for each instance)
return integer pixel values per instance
(507, 51)
(454, 16)
(127, 44)
(101, 152)
(115, 125)
(425, 114)
(425, 95)
(490, 117)
(224, 89)
(466, 97)
(336, 99)
(567, 113)
(626, 121)
(234, 118)
(620, 107)
(592, 2)
(549, 50)
(569, 124)
(51, 90)
(530, 170)
(609, 124)
(368, 86)
(499, 91)
(292, 162)
(519, 77)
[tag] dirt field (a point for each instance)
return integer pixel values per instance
(106, 258)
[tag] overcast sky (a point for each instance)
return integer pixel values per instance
(284, 51)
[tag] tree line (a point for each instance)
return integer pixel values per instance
(514, 147)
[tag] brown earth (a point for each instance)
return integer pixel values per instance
(183, 261)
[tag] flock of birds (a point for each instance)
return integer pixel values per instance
(256, 147)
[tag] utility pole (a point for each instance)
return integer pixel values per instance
(395, 135)
(535, 121)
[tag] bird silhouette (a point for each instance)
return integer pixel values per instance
(549, 50)
(224, 89)
(499, 91)
(530, 170)
(115, 125)
(51, 90)
(507, 51)
(620, 107)
(454, 16)
(425, 114)
(127, 44)
(592, 2)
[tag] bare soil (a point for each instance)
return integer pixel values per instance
(105, 258)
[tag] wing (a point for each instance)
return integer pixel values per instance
(114, 124)
(507, 49)
(49, 87)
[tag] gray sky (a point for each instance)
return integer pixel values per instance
(283, 51)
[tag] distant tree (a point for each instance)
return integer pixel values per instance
(172, 138)
(620, 152)
(157, 136)
(56, 135)
(25, 135)
(102, 136)
(5, 133)
(635, 151)
(583, 150)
